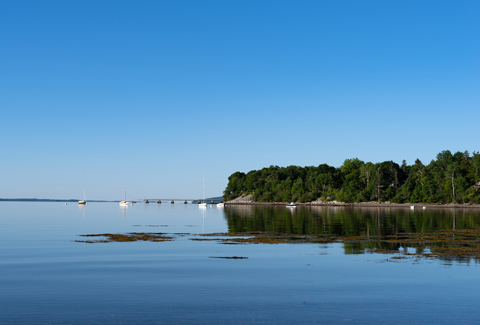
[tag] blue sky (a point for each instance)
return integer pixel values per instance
(147, 95)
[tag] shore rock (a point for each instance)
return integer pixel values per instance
(248, 200)
(242, 199)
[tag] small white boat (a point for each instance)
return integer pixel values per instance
(84, 201)
(203, 204)
(124, 203)
(220, 205)
(292, 205)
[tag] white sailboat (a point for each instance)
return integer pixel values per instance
(124, 203)
(203, 204)
(84, 201)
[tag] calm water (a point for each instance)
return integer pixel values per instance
(48, 278)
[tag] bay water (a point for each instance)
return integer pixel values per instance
(48, 277)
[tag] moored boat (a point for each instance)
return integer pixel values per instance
(84, 201)
(124, 203)
(203, 203)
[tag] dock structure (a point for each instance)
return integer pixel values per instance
(185, 201)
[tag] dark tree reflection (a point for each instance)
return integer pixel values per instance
(374, 223)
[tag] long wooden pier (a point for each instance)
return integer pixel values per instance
(185, 201)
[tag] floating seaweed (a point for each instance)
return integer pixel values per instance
(444, 244)
(230, 257)
(129, 237)
(461, 245)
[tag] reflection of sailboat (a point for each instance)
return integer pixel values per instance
(203, 218)
(84, 201)
(203, 204)
(124, 214)
(81, 207)
(124, 203)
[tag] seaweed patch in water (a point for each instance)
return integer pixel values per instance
(265, 238)
(182, 234)
(130, 237)
(230, 257)
(458, 245)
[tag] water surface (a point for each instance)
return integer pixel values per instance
(48, 278)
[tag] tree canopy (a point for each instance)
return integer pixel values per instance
(450, 178)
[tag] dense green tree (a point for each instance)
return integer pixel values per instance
(448, 178)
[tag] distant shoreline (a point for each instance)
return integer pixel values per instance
(50, 200)
(313, 204)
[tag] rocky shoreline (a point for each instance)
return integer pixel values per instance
(248, 200)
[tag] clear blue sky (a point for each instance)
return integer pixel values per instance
(147, 95)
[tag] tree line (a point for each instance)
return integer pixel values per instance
(450, 178)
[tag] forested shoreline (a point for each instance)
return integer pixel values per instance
(450, 178)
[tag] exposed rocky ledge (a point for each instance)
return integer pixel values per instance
(248, 200)
(242, 199)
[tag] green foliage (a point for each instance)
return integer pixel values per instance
(449, 178)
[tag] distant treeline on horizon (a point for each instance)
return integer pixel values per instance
(49, 200)
(450, 178)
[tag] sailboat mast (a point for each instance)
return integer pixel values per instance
(204, 186)
(125, 195)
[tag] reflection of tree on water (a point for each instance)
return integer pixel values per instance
(348, 221)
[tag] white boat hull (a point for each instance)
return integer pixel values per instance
(292, 205)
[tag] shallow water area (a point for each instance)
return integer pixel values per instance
(48, 277)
